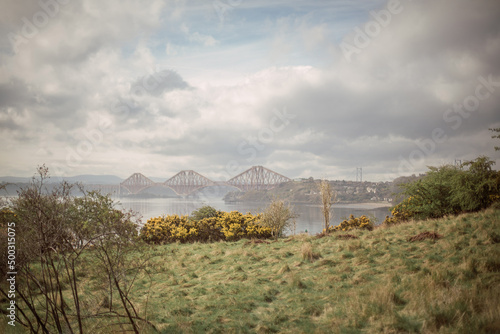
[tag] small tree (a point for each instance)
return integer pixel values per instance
(278, 216)
(476, 186)
(58, 237)
(328, 197)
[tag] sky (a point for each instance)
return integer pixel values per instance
(304, 88)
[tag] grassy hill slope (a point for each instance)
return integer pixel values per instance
(380, 282)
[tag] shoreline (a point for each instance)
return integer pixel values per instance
(363, 205)
(351, 205)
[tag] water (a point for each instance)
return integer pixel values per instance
(310, 216)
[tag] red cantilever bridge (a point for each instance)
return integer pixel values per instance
(187, 182)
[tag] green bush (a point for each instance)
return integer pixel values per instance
(449, 190)
(204, 212)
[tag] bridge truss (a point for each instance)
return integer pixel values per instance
(136, 183)
(257, 178)
(187, 182)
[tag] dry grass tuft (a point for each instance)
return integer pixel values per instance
(284, 269)
(308, 253)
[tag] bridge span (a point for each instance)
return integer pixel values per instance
(187, 182)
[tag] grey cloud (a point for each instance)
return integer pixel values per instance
(335, 109)
(9, 124)
(74, 31)
(15, 93)
(144, 106)
(36, 108)
(158, 83)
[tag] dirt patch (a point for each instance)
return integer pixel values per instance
(347, 236)
(425, 235)
(322, 235)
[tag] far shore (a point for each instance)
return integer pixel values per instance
(351, 205)
(365, 205)
(361, 205)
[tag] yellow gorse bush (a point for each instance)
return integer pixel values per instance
(352, 223)
(402, 212)
(226, 226)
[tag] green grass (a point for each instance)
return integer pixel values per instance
(379, 283)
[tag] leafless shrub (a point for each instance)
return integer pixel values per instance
(279, 216)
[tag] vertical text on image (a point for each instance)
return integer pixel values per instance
(11, 274)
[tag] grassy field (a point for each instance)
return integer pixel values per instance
(379, 282)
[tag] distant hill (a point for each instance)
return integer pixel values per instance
(14, 179)
(306, 191)
(94, 179)
(85, 179)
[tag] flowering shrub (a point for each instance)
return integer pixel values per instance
(226, 226)
(404, 211)
(388, 221)
(352, 223)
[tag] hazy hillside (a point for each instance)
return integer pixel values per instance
(12, 184)
(306, 191)
(94, 179)
(86, 179)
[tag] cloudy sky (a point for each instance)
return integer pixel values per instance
(305, 88)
